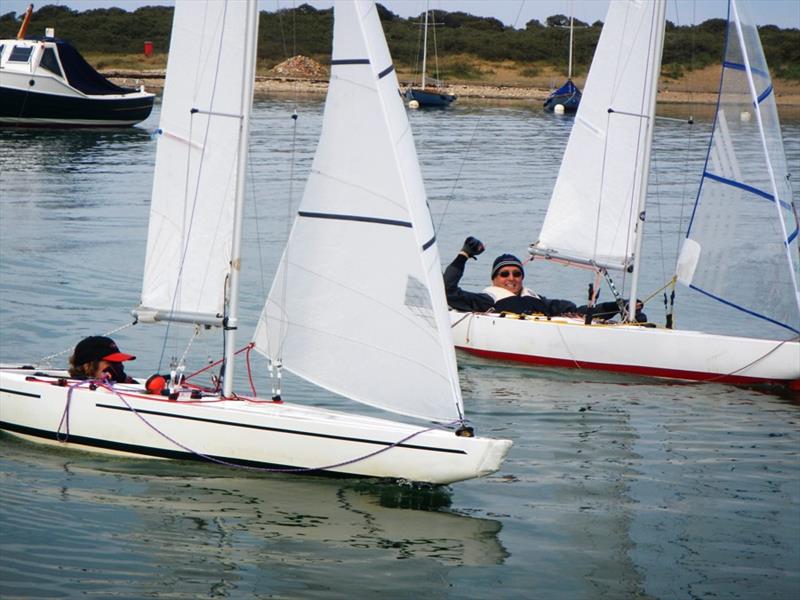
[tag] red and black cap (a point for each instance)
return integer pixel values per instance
(97, 347)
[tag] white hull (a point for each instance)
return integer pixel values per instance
(658, 352)
(259, 434)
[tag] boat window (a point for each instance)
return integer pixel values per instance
(20, 54)
(50, 62)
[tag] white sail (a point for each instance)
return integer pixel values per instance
(593, 210)
(189, 241)
(357, 305)
(741, 246)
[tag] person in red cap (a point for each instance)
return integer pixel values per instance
(98, 357)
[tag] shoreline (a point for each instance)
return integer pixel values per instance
(267, 85)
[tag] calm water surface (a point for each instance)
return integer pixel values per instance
(615, 488)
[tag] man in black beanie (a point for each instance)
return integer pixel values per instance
(507, 294)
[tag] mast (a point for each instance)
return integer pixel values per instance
(657, 47)
(24, 25)
(569, 71)
(232, 314)
(425, 46)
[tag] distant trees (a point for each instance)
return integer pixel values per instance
(307, 30)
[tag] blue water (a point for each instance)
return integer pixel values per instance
(615, 488)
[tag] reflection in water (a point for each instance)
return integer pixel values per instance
(135, 527)
(638, 487)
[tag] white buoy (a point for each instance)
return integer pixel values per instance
(558, 109)
(744, 116)
(413, 104)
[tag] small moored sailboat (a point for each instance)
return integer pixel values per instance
(427, 95)
(338, 313)
(568, 96)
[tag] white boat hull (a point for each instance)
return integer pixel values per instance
(633, 349)
(258, 434)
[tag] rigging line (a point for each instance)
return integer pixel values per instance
(282, 29)
(290, 220)
(45, 360)
(519, 12)
(661, 289)
(451, 195)
(435, 47)
(188, 233)
(754, 361)
(257, 221)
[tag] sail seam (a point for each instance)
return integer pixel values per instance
(349, 61)
(359, 218)
(765, 94)
(745, 187)
(741, 67)
(743, 309)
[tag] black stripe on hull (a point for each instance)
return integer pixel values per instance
(280, 430)
(162, 453)
(20, 107)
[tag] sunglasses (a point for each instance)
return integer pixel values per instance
(514, 273)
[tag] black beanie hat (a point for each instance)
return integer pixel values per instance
(506, 260)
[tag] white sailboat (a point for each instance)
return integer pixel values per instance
(744, 224)
(363, 246)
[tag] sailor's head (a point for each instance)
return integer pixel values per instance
(96, 356)
(507, 272)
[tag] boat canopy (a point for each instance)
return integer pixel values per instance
(81, 75)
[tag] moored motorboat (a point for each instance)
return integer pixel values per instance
(45, 82)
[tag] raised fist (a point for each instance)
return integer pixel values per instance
(472, 247)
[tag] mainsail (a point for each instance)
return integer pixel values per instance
(189, 243)
(593, 210)
(741, 246)
(357, 305)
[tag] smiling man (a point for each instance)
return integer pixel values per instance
(507, 292)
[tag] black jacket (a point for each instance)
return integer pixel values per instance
(465, 301)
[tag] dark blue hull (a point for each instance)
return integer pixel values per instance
(429, 98)
(568, 95)
(32, 109)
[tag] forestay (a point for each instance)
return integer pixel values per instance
(744, 225)
(357, 305)
(593, 208)
(192, 206)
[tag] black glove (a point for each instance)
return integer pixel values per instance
(472, 247)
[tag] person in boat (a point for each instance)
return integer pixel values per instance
(507, 294)
(98, 357)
